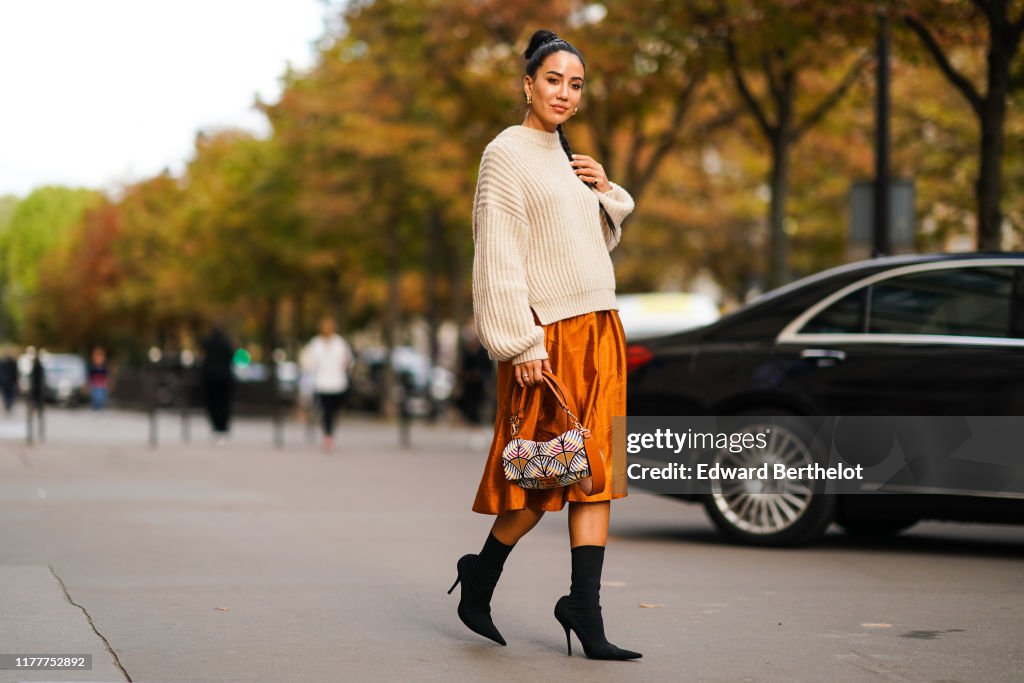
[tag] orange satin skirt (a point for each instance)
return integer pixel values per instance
(588, 355)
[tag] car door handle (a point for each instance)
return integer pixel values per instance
(823, 356)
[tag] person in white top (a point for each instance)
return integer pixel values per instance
(328, 357)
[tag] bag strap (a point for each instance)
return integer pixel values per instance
(567, 404)
(565, 400)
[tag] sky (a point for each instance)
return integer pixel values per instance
(100, 93)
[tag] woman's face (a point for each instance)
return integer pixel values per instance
(556, 89)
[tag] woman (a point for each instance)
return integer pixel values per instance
(328, 358)
(544, 220)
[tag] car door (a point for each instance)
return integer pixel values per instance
(940, 338)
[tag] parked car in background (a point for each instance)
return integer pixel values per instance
(658, 313)
(939, 334)
(426, 387)
(255, 393)
(66, 378)
(259, 373)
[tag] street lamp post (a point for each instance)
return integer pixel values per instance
(881, 243)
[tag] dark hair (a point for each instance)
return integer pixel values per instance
(542, 45)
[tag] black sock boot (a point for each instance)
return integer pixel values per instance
(479, 575)
(580, 611)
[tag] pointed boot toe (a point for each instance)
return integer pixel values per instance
(588, 625)
(475, 601)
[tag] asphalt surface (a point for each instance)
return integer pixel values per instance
(243, 562)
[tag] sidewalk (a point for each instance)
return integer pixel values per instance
(194, 562)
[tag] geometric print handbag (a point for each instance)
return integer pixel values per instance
(561, 461)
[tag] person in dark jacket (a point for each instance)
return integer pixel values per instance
(37, 383)
(8, 380)
(218, 380)
(476, 372)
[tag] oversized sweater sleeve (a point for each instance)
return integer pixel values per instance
(501, 303)
(619, 204)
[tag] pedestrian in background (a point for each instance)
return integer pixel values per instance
(99, 378)
(37, 382)
(8, 380)
(544, 222)
(218, 381)
(328, 357)
(476, 371)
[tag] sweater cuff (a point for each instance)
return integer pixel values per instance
(617, 202)
(535, 352)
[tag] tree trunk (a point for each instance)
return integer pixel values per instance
(778, 240)
(435, 254)
(993, 140)
(298, 324)
(457, 263)
(270, 328)
(392, 312)
(338, 306)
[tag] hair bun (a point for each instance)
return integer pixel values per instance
(539, 39)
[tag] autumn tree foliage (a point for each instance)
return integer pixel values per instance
(38, 224)
(738, 125)
(992, 28)
(773, 50)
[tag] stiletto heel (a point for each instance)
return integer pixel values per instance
(580, 611)
(475, 601)
(589, 628)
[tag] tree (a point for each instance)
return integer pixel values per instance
(648, 67)
(942, 29)
(784, 40)
(38, 223)
(73, 308)
(241, 228)
(7, 205)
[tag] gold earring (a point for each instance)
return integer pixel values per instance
(575, 111)
(529, 98)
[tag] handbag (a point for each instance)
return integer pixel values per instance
(561, 461)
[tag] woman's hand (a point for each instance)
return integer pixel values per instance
(589, 171)
(531, 372)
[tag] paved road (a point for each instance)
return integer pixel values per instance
(246, 563)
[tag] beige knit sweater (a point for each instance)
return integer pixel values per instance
(540, 242)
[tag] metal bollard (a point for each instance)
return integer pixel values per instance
(186, 404)
(154, 388)
(277, 357)
(29, 426)
(36, 399)
(404, 386)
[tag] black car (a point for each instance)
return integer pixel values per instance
(937, 335)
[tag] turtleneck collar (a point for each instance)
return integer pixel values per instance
(537, 137)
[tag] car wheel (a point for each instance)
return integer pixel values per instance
(876, 528)
(770, 512)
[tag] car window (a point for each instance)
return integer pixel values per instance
(976, 302)
(952, 301)
(845, 316)
(1017, 304)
